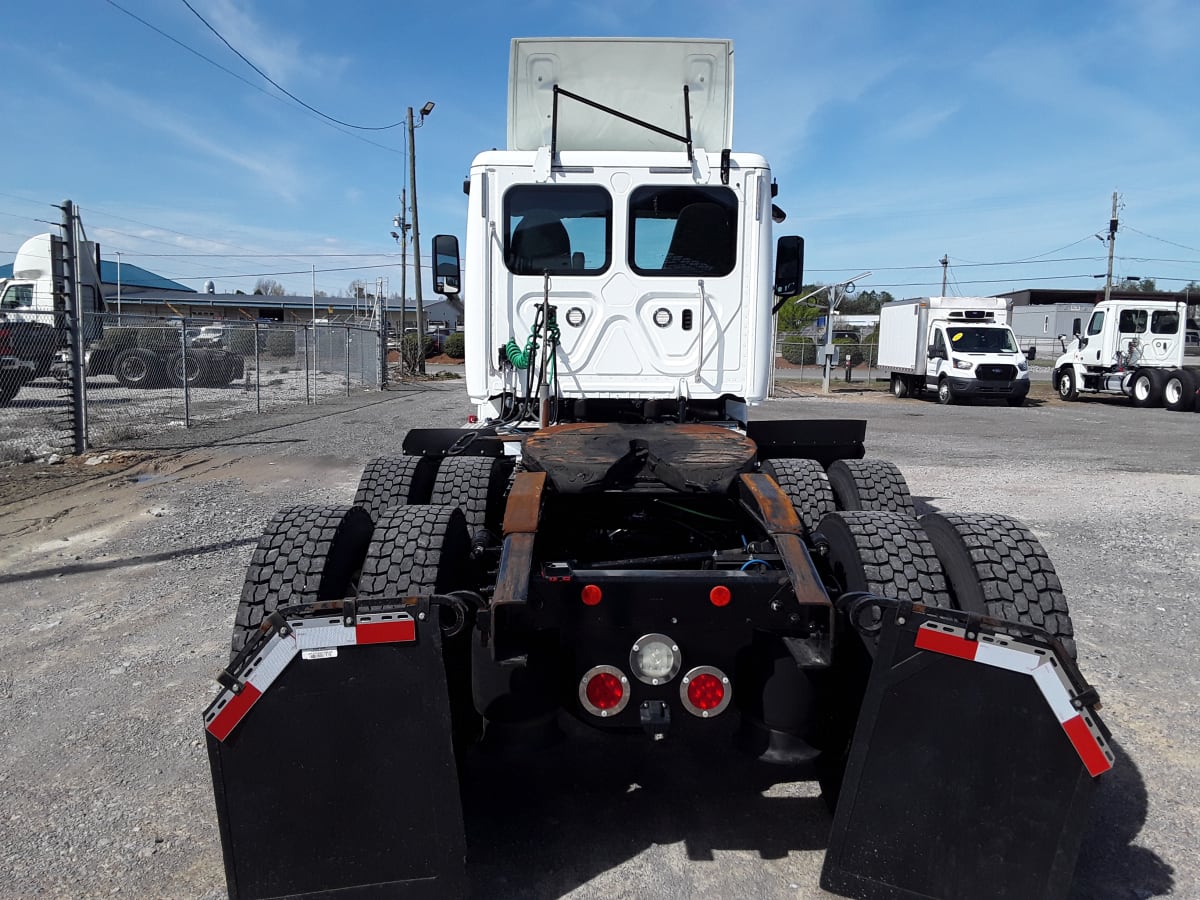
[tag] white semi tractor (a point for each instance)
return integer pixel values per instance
(619, 546)
(959, 347)
(1146, 350)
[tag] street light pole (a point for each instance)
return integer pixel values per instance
(412, 179)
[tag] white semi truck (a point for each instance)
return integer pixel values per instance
(1146, 350)
(617, 545)
(33, 329)
(959, 347)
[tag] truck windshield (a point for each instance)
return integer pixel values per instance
(982, 340)
(563, 230)
(18, 296)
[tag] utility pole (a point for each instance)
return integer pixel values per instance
(945, 261)
(118, 287)
(314, 294)
(403, 256)
(1112, 240)
(412, 180)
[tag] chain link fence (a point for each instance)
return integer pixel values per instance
(147, 375)
(798, 357)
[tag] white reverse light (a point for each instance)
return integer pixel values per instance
(655, 659)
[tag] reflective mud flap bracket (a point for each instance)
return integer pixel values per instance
(333, 767)
(972, 766)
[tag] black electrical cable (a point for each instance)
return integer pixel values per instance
(221, 37)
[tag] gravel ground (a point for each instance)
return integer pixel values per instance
(122, 579)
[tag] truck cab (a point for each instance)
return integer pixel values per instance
(969, 358)
(613, 264)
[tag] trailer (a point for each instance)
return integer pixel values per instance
(1146, 350)
(958, 347)
(617, 540)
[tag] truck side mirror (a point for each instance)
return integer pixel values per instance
(447, 273)
(1031, 353)
(934, 353)
(789, 266)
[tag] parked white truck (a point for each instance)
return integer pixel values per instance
(1140, 349)
(34, 329)
(33, 306)
(959, 347)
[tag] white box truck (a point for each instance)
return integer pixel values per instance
(959, 347)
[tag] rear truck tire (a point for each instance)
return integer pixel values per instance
(395, 481)
(945, 393)
(137, 368)
(889, 555)
(1066, 385)
(806, 485)
(899, 386)
(476, 485)
(996, 567)
(1146, 389)
(186, 367)
(220, 368)
(421, 550)
(871, 484)
(305, 554)
(1179, 391)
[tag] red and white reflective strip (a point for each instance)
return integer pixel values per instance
(316, 635)
(1015, 656)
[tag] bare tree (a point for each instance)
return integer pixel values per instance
(270, 287)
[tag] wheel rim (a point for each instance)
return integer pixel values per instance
(133, 369)
(1173, 392)
(1141, 387)
(943, 391)
(1064, 385)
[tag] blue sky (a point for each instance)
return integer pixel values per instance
(897, 131)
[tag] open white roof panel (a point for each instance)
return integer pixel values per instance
(640, 77)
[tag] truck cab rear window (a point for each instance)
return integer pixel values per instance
(1164, 322)
(682, 231)
(563, 230)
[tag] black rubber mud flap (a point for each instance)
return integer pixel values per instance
(340, 780)
(971, 770)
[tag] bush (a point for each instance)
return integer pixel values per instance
(281, 343)
(456, 346)
(798, 351)
(414, 349)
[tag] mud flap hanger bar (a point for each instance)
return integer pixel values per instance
(982, 639)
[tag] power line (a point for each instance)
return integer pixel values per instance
(245, 81)
(1161, 240)
(277, 84)
(966, 265)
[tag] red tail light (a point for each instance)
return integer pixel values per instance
(705, 691)
(5, 343)
(604, 691)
